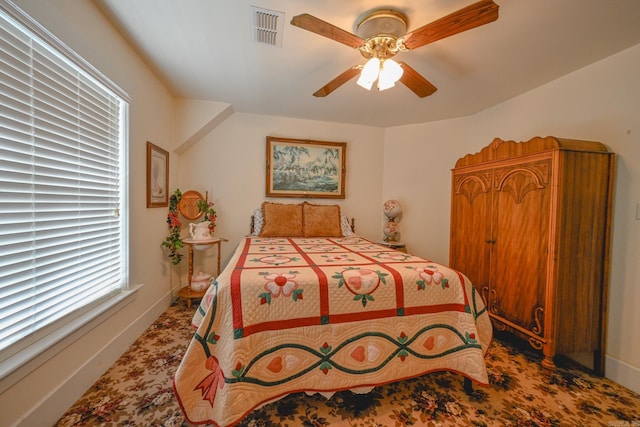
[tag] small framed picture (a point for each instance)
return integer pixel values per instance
(305, 168)
(157, 176)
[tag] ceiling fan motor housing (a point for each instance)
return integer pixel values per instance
(381, 29)
(382, 22)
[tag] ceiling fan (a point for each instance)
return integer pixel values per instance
(382, 35)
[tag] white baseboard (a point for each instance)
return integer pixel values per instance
(622, 373)
(49, 410)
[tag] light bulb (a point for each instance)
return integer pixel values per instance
(389, 74)
(369, 73)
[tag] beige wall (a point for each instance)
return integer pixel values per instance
(410, 163)
(229, 163)
(41, 397)
(600, 103)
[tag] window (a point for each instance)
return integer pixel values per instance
(63, 192)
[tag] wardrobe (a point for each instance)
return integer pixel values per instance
(530, 227)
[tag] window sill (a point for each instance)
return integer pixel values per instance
(22, 363)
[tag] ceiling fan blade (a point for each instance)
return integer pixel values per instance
(337, 82)
(318, 26)
(475, 15)
(414, 81)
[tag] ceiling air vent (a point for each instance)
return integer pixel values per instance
(267, 26)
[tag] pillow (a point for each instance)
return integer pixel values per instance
(345, 226)
(321, 220)
(281, 220)
(257, 221)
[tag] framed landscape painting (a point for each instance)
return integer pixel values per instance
(305, 168)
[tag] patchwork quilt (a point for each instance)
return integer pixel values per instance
(322, 315)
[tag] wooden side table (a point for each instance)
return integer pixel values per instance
(186, 291)
(398, 246)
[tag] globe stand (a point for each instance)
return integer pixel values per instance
(390, 230)
(391, 210)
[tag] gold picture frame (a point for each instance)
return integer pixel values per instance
(305, 168)
(157, 176)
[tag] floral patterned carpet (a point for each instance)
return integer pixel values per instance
(137, 391)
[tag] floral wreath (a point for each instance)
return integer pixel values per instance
(173, 241)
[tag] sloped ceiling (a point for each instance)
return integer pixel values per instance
(204, 50)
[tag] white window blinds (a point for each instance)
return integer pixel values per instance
(61, 194)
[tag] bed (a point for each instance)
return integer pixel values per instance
(306, 305)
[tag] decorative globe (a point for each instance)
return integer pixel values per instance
(391, 209)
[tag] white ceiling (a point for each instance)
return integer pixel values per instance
(203, 49)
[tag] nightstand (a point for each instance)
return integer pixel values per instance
(186, 292)
(398, 246)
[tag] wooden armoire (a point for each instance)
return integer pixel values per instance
(530, 227)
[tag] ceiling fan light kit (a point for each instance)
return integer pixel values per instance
(386, 72)
(382, 34)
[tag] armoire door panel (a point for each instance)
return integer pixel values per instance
(519, 252)
(472, 198)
